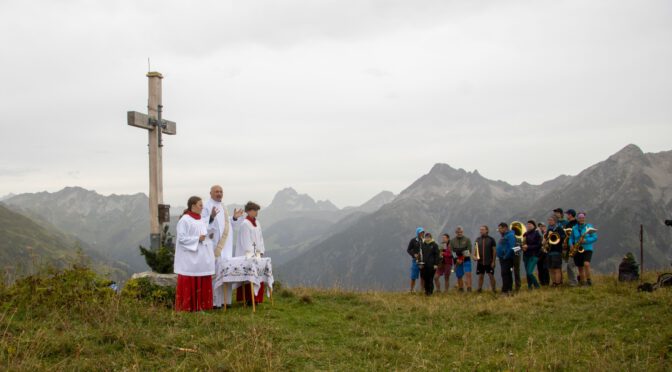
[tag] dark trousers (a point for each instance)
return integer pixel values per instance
(542, 269)
(516, 269)
(428, 276)
(507, 276)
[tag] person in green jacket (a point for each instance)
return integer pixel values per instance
(461, 246)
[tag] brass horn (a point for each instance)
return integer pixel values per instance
(518, 229)
(553, 238)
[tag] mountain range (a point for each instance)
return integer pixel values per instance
(113, 226)
(627, 189)
(315, 243)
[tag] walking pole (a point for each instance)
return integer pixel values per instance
(641, 252)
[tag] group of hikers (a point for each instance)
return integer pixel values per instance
(544, 248)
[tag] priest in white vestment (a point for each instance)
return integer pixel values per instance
(220, 226)
(250, 243)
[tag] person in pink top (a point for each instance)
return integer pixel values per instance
(446, 265)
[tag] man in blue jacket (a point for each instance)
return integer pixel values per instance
(505, 253)
(582, 260)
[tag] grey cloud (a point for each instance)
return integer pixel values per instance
(317, 93)
(376, 72)
(16, 172)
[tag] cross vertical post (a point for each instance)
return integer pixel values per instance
(155, 183)
(156, 126)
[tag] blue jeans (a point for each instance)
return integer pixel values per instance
(530, 265)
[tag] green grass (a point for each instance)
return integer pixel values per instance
(62, 322)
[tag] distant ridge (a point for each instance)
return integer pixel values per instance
(625, 190)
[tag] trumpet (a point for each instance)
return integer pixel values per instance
(578, 246)
(420, 260)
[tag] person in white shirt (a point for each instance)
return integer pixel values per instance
(220, 230)
(250, 243)
(194, 260)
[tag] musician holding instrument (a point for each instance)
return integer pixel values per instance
(571, 266)
(414, 250)
(542, 269)
(584, 235)
(553, 239)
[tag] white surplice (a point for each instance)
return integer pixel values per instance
(216, 228)
(250, 240)
(193, 258)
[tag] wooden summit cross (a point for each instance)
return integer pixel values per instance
(159, 213)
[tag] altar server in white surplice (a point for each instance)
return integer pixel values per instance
(194, 260)
(250, 243)
(220, 231)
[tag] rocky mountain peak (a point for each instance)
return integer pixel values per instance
(445, 170)
(628, 153)
(288, 199)
(287, 192)
(326, 205)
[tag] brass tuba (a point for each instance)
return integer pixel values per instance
(518, 229)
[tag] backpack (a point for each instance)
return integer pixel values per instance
(664, 280)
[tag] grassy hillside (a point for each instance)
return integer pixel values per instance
(64, 322)
(25, 246)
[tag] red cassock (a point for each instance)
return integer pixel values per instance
(193, 293)
(258, 298)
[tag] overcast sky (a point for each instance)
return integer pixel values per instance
(338, 99)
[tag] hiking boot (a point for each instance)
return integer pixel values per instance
(469, 289)
(589, 283)
(480, 290)
(461, 289)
